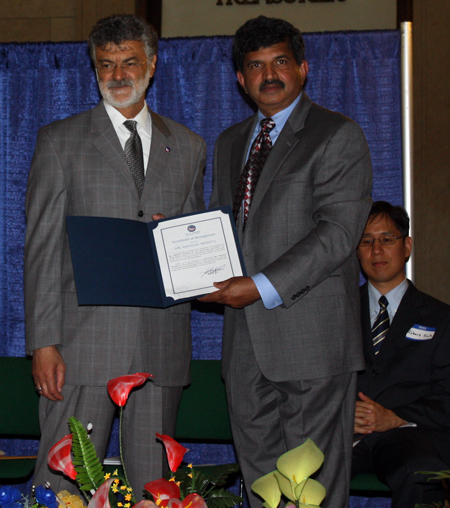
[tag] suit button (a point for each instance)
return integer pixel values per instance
(307, 288)
(293, 297)
(298, 294)
(302, 292)
(140, 213)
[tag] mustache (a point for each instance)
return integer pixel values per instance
(271, 82)
(117, 83)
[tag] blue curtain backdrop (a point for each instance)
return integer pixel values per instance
(356, 73)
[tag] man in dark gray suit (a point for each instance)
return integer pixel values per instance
(292, 340)
(403, 409)
(82, 166)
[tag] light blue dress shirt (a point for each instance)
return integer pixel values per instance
(394, 297)
(269, 295)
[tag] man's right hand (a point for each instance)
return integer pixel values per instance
(49, 372)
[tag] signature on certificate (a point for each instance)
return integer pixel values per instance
(212, 271)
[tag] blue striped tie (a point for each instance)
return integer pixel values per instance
(381, 325)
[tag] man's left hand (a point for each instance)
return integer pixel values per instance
(237, 292)
(373, 417)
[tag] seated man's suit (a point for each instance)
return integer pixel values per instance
(411, 376)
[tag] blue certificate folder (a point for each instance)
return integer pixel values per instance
(115, 261)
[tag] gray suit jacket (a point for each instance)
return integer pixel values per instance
(307, 215)
(79, 168)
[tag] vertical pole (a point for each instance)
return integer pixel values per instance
(407, 128)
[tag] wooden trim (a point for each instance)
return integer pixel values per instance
(151, 11)
(404, 11)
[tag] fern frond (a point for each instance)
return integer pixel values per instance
(221, 498)
(90, 474)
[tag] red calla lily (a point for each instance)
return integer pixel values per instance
(59, 457)
(101, 498)
(120, 387)
(175, 451)
(190, 501)
(162, 491)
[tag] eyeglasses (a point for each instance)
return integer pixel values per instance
(110, 67)
(383, 240)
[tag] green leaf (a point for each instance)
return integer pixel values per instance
(88, 466)
(221, 498)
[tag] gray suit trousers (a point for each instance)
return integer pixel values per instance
(269, 418)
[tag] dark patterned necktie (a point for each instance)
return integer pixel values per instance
(381, 325)
(250, 174)
(134, 155)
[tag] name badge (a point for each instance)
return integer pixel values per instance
(419, 332)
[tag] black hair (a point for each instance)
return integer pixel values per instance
(397, 214)
(262, 32)
(119, 28)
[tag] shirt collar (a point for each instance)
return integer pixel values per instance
(282, 116)
(394, 297)
(142, 118)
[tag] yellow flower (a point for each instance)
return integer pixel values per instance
(128, 497)
(114, 489)
(123, 487)
(172, 479)
(68, 500)
(129, 489)
(127, 505)
(107, 475)
(292, 478)
(116, 481)
(190, 475)
(119, 504)
(190, 465)
(116, 472)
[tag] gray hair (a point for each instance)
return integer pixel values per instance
(118, 28)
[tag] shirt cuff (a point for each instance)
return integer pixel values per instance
(269, 295)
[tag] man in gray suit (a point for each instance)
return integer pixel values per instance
(80, 168)
(292, 340)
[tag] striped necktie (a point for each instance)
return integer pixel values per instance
(381, 325)
(134, 155)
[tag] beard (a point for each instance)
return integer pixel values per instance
(138, 88)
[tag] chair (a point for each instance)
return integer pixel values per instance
(368, 485)
(19, 415)
(203, 411)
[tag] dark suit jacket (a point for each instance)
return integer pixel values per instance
(412, 378)
(79, 168)
(307, 215)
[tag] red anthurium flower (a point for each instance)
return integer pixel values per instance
(59, 457)
(120, 387)
(101, 497)
(175, 451)
(191, 501)
(162, 491)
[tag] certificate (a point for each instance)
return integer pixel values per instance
(195, 251)
(155, 264)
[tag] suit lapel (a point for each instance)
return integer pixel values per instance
(407, 314)
(285, 143)
(238, 150)
(158, 161)
(105, 139)
(365, 324)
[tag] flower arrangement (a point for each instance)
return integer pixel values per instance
(292, 479)
(75, 456)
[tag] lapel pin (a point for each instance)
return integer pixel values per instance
(167, 149)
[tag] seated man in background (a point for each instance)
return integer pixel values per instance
(403, 412)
